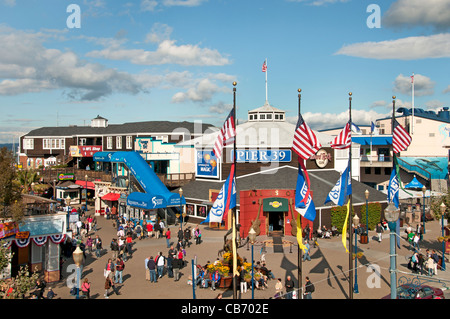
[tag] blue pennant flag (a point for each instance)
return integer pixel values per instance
(342, 189)
(393, 188)
(393, 196)
(225, 201)
(304, 207)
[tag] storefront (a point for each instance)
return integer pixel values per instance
(35, 243)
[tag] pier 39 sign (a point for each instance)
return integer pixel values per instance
(262, 156)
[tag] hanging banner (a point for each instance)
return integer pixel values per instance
(40, 240)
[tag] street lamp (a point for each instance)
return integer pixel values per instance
(443, 208)
(181, 208)
(355, 226)
(424, 189)
(367, 214)
(391, 213)
(252, 238)
(78, 259)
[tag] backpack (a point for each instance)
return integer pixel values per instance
(312, 287)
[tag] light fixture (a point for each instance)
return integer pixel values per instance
(252, 235)
(391, 213)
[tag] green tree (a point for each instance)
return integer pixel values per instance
(9, 188)
(374, 214)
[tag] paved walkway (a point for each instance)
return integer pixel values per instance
(328, 268)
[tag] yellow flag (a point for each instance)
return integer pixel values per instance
(344, 229)
(299, 234)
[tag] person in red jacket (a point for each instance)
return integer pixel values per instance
(215, 279)
(168, 237)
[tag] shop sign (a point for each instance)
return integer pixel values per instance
(275, 204)
(66, 177)
(206, 165)
(262, 156)
(321, 158)
(84, 150)
(22, 234)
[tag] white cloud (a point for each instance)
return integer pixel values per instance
(203, 91)
(166, 53)
(412, 13)
(320, 2)
(447, 89)
(423, 85)
(410, 48)
(184, 3)
(27, 66)
(320, 121)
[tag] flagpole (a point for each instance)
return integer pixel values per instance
(412, 81)
(350, 228)
(299, 251)
(267, 98)
(234, 235)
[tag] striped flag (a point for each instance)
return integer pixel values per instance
(305, 142)
(400, 138)
(344, 139)
(264, 67)
(226, 135)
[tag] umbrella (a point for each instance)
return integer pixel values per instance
(414, 183)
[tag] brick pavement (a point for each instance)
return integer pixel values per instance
(328, 268)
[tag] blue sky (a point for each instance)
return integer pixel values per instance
(176, 60)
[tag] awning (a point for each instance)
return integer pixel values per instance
(111, 197)
(375, 140)
(90, 185)
(149, 201)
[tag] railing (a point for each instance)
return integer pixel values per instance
(51, 174)
(376, 158)
(414, 169)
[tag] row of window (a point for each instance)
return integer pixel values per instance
(265, 116)
(60, 143)
(129, 142)
(378, 170)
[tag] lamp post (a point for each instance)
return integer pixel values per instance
(391, 213)
(252, 238)
(78, 259)
(443, 208)
(86, 180)
(367, 214)
(355, 224)
(181, 208)
(424, 189)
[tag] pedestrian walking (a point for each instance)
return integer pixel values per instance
(98, 246)
(114, 248)
(289, 284)
(169, 266)
(309, 288)
(109, 284)
(147, 272)
(243, 283)
(151, 265)
(160, 262)
(176, 263)
(306, 251)
(198, 236)
(86, 288)
(379, 230)
(168, 237)
(119, 266)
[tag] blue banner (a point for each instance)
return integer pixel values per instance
(206, 165)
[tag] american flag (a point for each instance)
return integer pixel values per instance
(400, 138)
(226, 135)
(305, 142)
(264, 67)
(344, 139)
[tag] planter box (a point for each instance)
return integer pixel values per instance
(363, 239)
(226, 282)
(447, 247)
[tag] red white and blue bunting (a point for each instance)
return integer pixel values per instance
(39, 241)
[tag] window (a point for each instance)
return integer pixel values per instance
(387, 170)
(377, 170)
(367, 170)
(118, 142)
(28, 143)
(431, 135)
(129, 142)
(269, 116)
(82, 141)
(276, 116)
(53, 143)
(262, 116)
(281, 116)
(250, 117)
(109, 142)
